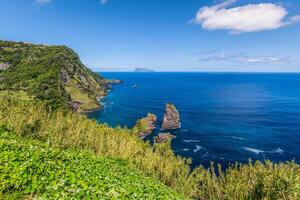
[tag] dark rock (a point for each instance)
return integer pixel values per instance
(162, 137)
(64, 75)
(146, 125)
(111, 82)
(171, 118)
(75, 105)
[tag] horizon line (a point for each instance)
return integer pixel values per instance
(269, 72)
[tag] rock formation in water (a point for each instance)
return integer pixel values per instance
(146, 125)
(114, 81)
(162, 137)
(171, 118)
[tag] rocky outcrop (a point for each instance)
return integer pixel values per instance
(75, 106)
(64, 75)
(114, 81)
(4, 66)
(146, 125)
(171, 118)
(162, 137)
(111, 82)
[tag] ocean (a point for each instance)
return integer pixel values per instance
(225, 117)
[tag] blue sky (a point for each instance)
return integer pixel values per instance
(164, 35)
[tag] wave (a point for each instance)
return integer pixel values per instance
(197, 148)
(188, 141)
(278, 150)
(259, 151)
(238, 138)
(186, 149)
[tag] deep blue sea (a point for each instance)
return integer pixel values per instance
(225, 117)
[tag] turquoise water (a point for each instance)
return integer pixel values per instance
(225, 117)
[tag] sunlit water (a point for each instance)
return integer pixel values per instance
(225, 117)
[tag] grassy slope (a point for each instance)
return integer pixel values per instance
(31, 169)
(68, 131)
(50, 73)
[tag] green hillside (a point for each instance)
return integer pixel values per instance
(53, 74)
(30, 169)
(47, 151)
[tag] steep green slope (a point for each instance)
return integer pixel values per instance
(50, 73)
(30, 169)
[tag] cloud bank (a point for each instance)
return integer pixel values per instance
(247, 18)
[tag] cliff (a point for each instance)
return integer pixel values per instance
(53, 74)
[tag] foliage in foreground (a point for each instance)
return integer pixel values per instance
(32, 170)
(68, 130)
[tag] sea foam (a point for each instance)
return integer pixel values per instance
(257, 151)
(188, 141)
(238, 138)
(197, 148)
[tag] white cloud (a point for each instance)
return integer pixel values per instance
(247, 18)
(42, 2)
(103, 1)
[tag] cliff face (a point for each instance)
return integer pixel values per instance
(54, 74)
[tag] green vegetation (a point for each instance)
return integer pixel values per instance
(30, 169)
(172, 106)
(146, 125)
(48, 151)
(71, 131)
(50, 73)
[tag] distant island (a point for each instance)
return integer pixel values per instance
(141, 69)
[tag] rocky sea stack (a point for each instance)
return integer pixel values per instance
(146, 125)
(171, 118)
(162, 137)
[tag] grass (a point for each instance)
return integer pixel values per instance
(72, 131)
(30, 169)
(81, 96)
